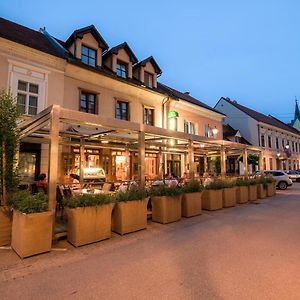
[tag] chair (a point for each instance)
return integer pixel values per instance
(60, 200)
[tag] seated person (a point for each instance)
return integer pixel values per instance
(75, 182)
(42, 183)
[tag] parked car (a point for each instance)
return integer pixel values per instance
(294, 175)
(282, 178)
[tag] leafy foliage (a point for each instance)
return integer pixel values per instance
(220, 184)
(242, 182)
(86, 200)
(27, 203)
(9, 143)
(192, 186)
(134, 193)
(163, 190)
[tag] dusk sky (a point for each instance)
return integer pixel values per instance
(245, 50)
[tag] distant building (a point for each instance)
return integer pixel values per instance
(296, 121)
(281, 142)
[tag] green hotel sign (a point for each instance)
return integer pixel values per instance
(172, 114)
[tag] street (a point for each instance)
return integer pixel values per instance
(251, 251)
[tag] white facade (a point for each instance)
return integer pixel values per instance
(282, 147)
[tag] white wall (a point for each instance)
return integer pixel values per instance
(239, 120)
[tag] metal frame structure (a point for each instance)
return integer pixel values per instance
(49, 126)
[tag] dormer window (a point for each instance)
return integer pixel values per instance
(148, 79)
(121, 69)
(88, 56)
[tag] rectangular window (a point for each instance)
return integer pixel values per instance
(27, 97)
(121, 69)
(149, 116)
(122, 110)
(264, 163)
(293, 146)
(296, 147)
(262, 138)
(88, 103)
(277, 143)
(269, 141)
(271, 163)
(189, 127)
(88, 56)
(148, 79)
(282, 142)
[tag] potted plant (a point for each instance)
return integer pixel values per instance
(8, 172)
(166, 204)
(191, 204)
(130, 211)
(261, 184)
(252, 190)
(229, 194)
(242, 186)
(32, 224)
(89, 218)
(212, 196)
(271, 186)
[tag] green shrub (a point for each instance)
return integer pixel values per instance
(252, 181)
(134, 193)
(163, 190)
(192, 186)
(215, 185)
(242, 182)
(86, 200)
(27, 203)
(220, 184)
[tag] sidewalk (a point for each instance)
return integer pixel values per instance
(247, 252)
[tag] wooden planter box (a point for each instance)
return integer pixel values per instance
(89, 224)
(271, 189)
(5, 225)
(261, 191)
(212, 199)
(252, 192)
(31, 233)
(129, 216)
(242, 194)
(166, 209)
(191, 204)
(229, 197)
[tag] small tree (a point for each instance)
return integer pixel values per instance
(9, 144)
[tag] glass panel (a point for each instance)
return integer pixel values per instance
(92, 53)
(33, 100)
(27, 162)
(84, 59)
(84, 50)
(32, 110)
(33, 88)
(21, 99)
(92, 62)
(22, 85)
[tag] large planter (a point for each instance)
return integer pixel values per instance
(271, 189)
(229, 197)
(191, 204)
(252, 192)
(129, 216)
(212, 199)
(242, 194)
(5, 225)
(166, 209)
(89, 224)
(261, 191)
(31, 233)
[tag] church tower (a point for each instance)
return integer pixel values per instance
(296, 121)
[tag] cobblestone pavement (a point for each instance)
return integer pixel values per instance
(251, 251)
